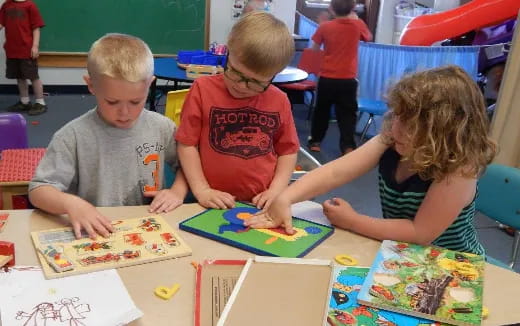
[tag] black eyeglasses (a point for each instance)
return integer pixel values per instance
(238, 77)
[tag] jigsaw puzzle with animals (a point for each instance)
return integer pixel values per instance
(135, 241)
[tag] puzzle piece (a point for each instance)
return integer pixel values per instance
(7, 249)
(56, 259)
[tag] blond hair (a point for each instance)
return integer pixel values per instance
(120, 56)
(443, 116)
(262, 43)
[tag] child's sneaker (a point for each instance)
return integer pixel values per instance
(314, 146)
(37, 108)
(19, 107)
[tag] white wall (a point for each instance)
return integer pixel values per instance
(220, 25)
(385, 22)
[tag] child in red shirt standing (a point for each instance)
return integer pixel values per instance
(22, 22)
(337, 84)
(237, 139)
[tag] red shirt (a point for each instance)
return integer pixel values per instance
(239, 140)
(341, 38)
(19, 20)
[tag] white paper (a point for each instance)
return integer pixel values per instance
(98, 298)
(310, 211)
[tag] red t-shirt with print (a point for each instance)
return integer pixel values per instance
(239, 140)
(19, 18)
(341, 38)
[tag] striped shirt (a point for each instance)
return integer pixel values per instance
(402, 200)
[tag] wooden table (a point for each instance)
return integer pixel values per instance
(501, 287)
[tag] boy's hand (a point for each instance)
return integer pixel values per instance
(164, 200)
(264, 199)
(278, 214)
(83, 215)
(35, 53)
(339, 212)
(211, 198)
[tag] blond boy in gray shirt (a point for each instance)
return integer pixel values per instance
(114, 154)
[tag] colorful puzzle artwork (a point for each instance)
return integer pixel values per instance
(136, 241)
(227, 226)
(344, 309)
(426, 281)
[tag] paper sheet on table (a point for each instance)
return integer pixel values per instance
(98, 298)
(310, 211)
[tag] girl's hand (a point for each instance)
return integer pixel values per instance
(339, 212)
(164, 201)
(278, 214)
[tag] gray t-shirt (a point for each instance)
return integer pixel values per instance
(105, 165)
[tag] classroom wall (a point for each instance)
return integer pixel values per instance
(220, 25)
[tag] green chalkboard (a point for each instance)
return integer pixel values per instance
(166, 25)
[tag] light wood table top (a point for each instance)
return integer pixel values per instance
(501, 287)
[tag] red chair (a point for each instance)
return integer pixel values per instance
(310, 61)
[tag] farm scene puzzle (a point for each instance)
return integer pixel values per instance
(426, 281)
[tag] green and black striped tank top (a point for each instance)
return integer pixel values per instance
(402, 200)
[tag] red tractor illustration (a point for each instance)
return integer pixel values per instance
(249, 136)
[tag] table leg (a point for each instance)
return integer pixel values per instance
(7, 199)
(9, 191)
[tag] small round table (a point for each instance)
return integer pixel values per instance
(167, 69)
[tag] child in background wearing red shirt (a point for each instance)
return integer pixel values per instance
(22, 22)
(237, 139)
(337, 84)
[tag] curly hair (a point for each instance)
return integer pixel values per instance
(443, 116)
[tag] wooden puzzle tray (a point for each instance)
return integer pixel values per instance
(135, 241)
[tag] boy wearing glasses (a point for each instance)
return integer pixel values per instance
(237, 139)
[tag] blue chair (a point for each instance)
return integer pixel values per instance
(499, 199)
(372, 108)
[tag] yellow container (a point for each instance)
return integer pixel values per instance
(174, 102)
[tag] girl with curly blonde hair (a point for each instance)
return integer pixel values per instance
(433, 147)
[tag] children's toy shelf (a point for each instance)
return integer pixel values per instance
(202, 63)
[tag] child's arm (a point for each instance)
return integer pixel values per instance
(81, 213)
(206, 196)
(443, 203)
(284, 169)
(320, 181)
(35, 52)
(167, 200)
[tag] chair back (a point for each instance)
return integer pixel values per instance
(499, 194)
(174, 103)
(13, 131)
(310, 61)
